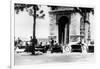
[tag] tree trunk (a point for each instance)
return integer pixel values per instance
(34, 28)
(34, 24)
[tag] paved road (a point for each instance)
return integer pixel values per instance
(28, 59)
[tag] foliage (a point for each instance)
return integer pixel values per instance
(83, 11)
(30, 8)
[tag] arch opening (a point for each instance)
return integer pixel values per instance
(63, 30)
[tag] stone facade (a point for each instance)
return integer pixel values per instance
(74, 28)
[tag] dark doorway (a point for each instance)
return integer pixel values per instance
(63, 21)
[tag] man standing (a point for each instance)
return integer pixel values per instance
(52, 43)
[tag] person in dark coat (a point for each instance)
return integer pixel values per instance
(52, 43)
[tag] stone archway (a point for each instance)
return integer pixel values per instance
(63, 30)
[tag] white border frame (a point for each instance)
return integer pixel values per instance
(79, 3)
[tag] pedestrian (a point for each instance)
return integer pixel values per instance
(31, 40)
(27, 47)
(52, 44)
(40, 44)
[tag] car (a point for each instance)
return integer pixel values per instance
(28, 49)
(41, 49)
(19, 50)
(90, 49)
(56, 48)
(20, 47)
(76, 46)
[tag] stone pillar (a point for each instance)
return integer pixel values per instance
(65, 34)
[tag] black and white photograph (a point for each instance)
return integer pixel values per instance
(46, 34)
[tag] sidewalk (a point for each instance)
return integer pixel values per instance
(27, 58)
